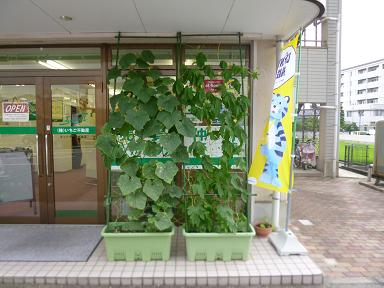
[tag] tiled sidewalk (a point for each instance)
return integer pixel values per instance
(264, 267)
(347, 238)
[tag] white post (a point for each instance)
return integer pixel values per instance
(276, 210)
(276, 195)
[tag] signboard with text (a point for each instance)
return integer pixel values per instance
(15, 112)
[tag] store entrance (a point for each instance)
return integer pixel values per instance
(48, 160)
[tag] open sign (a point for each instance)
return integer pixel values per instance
(15, 112)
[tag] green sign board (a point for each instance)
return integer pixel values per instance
(74, 130)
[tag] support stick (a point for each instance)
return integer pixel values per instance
(285, 241)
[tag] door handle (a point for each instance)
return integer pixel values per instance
(37, 154)
(46, 154)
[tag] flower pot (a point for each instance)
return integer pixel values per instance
(218, 246)
(138, 246)
(262, 232)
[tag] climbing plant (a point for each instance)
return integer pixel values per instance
(216, 192)
(145, 121)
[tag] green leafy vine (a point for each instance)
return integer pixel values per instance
(217, 192)
(145, 121)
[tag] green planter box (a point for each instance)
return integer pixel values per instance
(138, 246)
(218, 246)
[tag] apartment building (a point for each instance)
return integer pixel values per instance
(362, 94)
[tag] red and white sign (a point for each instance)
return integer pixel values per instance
(15, 112)
(212, 85)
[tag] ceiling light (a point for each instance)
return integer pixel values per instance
(53, 65)
(66, 18)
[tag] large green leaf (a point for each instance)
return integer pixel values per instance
(167, 81)
(196, 214)
(130, 167)
(145, 93)
(127, 60)
(186, 128)
(151, 107)
(141, 63)
(198, 189)
(201, 59)
(167, 102)
(169, 119)
(170, 141)
(197, 149)
(148, 56)
(166, 171)
(125, 103)
(105, 143)
(137, 200)
(163, 222)
(153, 127)
(128, 184)
(149, 170)
(153, 188)
(175, 191)
(116, 120)
(181, 154)
(134, 214)
(154, 74)
(113, 73)
(133, 85)
(152, 149)
(136, 145)
(178, 87)
(137, 117)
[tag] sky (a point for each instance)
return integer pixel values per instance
(362, 32)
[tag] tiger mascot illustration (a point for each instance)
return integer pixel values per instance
(276, 141)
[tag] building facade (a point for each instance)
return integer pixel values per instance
(362, 94)
(57, 68)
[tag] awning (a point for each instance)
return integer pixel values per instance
(261, 19)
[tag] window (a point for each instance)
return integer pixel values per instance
(361, 71)
(373, 90)
(361, 91)
(361, 81)
(341, 85)
(378, 113)
(373, 68)
(373, 79)
(50, 58)
(373, 100)
(341, 94)
(361, 112)
(349, 113)
(361, 101)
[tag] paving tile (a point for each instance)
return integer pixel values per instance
(354, 212)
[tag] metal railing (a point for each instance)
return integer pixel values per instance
(357, 155)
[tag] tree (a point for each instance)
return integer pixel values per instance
(342, 118)
(351, 127)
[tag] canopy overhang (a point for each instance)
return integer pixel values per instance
(30, 20)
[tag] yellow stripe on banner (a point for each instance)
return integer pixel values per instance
(270, 167)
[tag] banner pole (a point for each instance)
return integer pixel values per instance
(284, 241)
(289, 196)
(276, 195)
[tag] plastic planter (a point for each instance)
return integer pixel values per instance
(138, 246)
(218, 246)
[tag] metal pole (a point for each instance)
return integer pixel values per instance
(276, 195)
(296, 94)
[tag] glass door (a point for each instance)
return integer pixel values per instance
(21, 177)
(70, 135)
